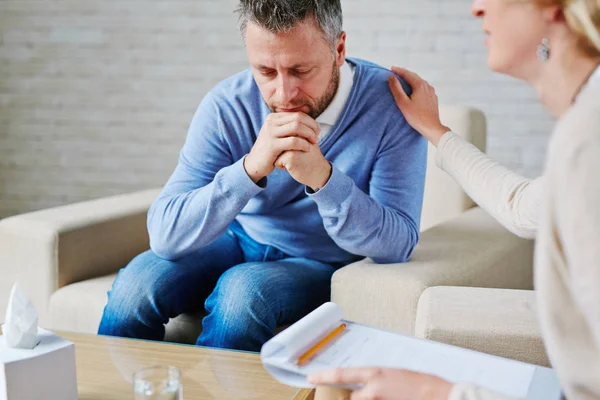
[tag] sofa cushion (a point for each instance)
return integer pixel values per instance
(501, 322)
(78, 307)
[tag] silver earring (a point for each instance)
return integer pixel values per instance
(543, 50)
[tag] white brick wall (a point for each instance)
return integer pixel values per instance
(96, 95)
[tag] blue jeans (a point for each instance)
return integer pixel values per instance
(248, 289)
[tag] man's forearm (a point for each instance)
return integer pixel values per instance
(183, 219)
(362, 226)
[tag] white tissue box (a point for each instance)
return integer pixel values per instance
(45, 372)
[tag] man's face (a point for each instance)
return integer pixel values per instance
(295, 71)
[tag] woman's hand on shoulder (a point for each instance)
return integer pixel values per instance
(421, 109)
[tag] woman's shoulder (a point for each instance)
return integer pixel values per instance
(585, 111)
(581, 123)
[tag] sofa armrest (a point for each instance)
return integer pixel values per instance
(470, 250)
(502, 322)
(48, 249)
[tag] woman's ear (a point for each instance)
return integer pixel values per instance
(554, 14)
(557, 21)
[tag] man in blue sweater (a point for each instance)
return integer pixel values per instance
(292, 169)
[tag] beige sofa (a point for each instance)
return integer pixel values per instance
(67, 257)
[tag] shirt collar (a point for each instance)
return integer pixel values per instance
(335, 108)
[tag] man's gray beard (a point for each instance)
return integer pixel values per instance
(325, 100)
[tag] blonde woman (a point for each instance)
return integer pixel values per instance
(554, 45)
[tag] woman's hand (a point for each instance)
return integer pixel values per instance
(386, 384)
(421, 109)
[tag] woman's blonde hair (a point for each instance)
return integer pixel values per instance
(583, 17)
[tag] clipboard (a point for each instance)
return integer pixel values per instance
(363, 346)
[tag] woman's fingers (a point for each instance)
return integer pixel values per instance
(410, 77)
(397, 91)
(344, 376)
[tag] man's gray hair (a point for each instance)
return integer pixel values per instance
(280, 16)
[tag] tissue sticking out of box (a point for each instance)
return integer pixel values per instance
(21, 324)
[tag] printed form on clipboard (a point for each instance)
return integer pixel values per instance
(355, 345)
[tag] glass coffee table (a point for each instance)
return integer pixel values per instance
(105, 366)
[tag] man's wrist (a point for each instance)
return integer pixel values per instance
(323, 178)
(253, 174)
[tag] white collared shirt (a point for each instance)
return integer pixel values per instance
(332, 113)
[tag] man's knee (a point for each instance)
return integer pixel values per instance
(243, 293)
(240, 315)
(139, 283)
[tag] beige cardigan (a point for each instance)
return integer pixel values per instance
(510, 198)
(567, 262)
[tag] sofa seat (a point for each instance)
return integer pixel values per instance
(501, 322)
(78, 307)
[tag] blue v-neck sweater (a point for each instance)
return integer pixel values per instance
(370, 207)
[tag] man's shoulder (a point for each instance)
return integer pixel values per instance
(240, 84)
(369, 67)
(374, 79)
(235, 97)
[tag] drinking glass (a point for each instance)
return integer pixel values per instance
(157, 383)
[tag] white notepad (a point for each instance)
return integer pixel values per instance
(363, 346)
